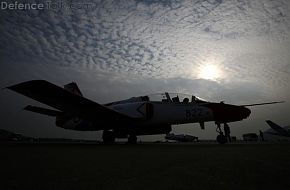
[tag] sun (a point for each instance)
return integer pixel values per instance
(209, 72)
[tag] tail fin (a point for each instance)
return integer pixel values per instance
(73, 88)
(276, 127)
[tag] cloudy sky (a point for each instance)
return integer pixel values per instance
(237, 51)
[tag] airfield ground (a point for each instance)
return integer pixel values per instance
(145, 166)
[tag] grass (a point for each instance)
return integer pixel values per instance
(145, 166)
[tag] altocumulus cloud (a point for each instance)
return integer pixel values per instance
(155, 44)
(145, 38)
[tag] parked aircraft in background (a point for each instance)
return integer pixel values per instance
(129, 118)
(181, 137)
(250, 137)
(277, 130)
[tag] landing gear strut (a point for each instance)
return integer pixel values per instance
(221, 137)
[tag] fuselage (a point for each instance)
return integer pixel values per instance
(154, 113)
(176, 113)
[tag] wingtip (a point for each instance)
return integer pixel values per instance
(278, 102)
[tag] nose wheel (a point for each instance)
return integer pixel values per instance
(221, 138)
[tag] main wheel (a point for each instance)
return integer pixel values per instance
(108, 137)
(221, 139)
(132, 139)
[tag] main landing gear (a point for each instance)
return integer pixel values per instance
(221, 138)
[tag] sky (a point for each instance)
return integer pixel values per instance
(235, 51)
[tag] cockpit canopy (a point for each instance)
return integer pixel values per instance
(163, 97)
(175, 97)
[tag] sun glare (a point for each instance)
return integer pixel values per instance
(209, 72)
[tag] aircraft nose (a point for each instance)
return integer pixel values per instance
(246, 112)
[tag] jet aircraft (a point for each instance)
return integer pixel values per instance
(129, 118)
(181, 137)
(277, 130)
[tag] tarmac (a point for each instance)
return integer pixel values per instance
(200, 165)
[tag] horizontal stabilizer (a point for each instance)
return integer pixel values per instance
(43, 111)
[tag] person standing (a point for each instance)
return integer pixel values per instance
(227, 132)
(261, 136)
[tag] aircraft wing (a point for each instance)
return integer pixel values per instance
(61, 99)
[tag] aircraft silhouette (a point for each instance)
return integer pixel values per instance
(181, 137)
(277, 129)
(129, 118)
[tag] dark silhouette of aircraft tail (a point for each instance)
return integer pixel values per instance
(277, 128)
(273, 125)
